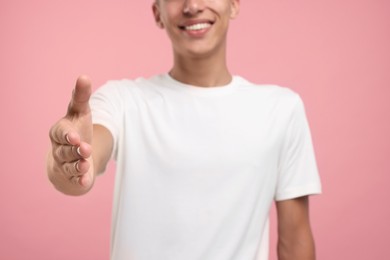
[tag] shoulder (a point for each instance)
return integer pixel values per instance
(125, 87)
(277, 94)
(117, 85)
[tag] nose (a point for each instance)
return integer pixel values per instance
(192, 7)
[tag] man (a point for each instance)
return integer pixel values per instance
(201, 154)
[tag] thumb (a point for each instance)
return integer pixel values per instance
(79, 103)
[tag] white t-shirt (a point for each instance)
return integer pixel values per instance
(198, 168)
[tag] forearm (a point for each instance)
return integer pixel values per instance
(297, 247)
(295, 238)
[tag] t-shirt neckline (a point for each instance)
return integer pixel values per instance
(200, 91)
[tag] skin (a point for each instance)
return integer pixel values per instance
(295, 238)
(80, 150)
(197, 61)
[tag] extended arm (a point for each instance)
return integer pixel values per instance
(295, 239)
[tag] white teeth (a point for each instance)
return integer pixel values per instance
(198, 26)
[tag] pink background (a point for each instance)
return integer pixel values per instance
(336, 54)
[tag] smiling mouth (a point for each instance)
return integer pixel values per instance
(196, 26)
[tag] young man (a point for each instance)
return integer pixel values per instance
(201, 154)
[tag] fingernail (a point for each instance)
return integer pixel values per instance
(76, 166)
(67, 138)
(78, 150)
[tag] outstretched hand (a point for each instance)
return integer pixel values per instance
(71, 137)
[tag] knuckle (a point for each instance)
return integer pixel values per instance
(56, 132)
(52, 132)
(65, 153)
(59, 154)
(55, 153)
(75, 179)
(68, 169)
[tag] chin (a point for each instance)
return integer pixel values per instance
(199, 53)
(203, 50)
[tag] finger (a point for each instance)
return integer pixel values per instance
(76, 168)
(71, 153)
(83, 180)
(62, 133)
(79, 103)
(71, 169)
(75, 179)
(66, 153)
(84, 150)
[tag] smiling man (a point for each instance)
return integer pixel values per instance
(201, 154)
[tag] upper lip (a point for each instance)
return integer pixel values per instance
(194, 21)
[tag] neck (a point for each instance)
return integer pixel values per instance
(201, 71)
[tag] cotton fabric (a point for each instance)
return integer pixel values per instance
(198, 168)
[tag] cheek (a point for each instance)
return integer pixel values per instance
(223, 8)
(169, 17)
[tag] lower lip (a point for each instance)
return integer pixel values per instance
(197, 33)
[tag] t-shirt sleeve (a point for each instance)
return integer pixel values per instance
(107, 111)
(298, 173)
